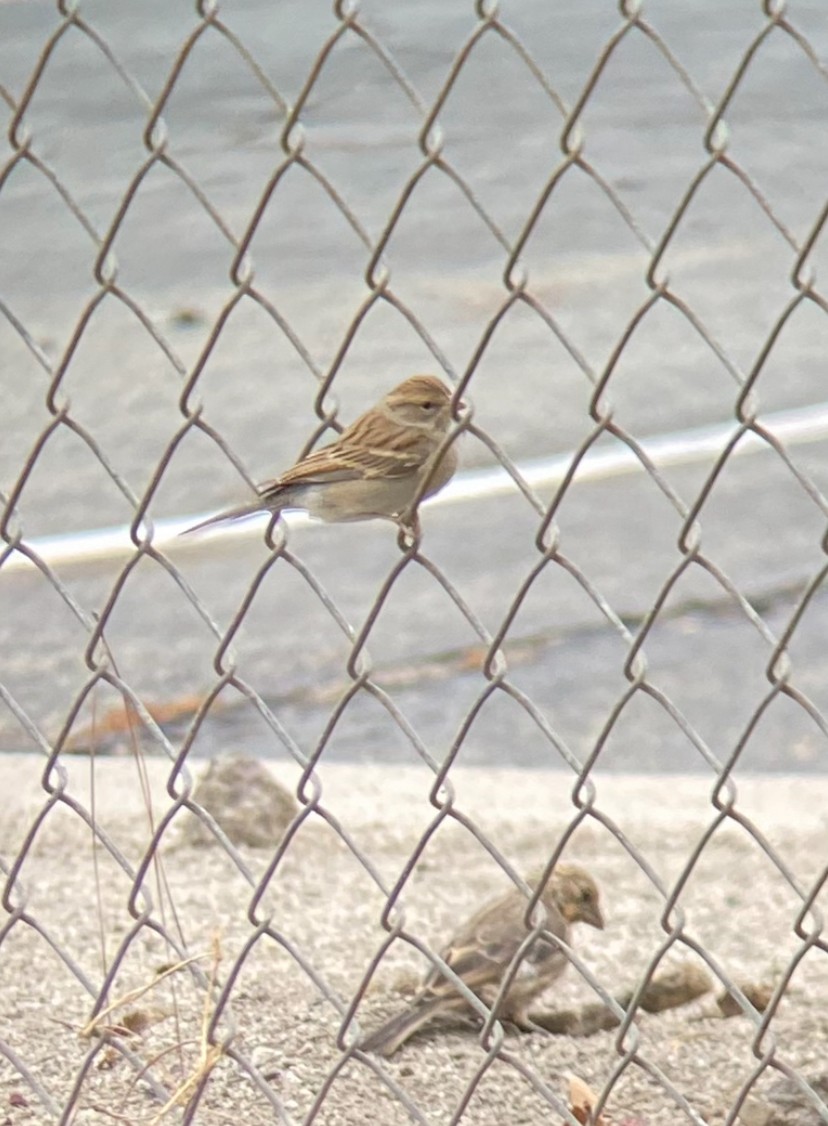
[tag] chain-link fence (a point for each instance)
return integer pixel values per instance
(227, 230)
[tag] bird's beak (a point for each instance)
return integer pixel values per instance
(594, 917)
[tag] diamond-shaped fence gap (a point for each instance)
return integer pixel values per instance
(354, 61)
(752, 897)
(49, 502)
(504, 536)
(107, 722)
(46, 290)
(185, 324)
(446, 263)
(286, 607)
(353, 97)
(287, 70)
(252, 364)
(216, 482)
(522, 342)
(240, 717)
(760, 526)
(550, 36)
(558, 601)
(309, 261)
(366, 728)
(630, 902)
(208, 1094)
(504, 732)
(418, 622)
(168, 661)
(150, 391)
(53, 993)
(218, 106)
(640, 847)
(725, 242)
(504, 1093)
(320, 884)
(358, 1095)
(144, 48)
(794, 133)
(586, 267)
(53, 654)
(89, 926)
(199, 477)
(23, 385)
(524, 130)
(691, 377)
(787, 736)
(656, 1097)
(789, 372)
(649, 168)
(714, 56)
(626, 556)
(165, 240)
(723, 660)
(70, 133)
(568, 661)
(645, 735)
(25, 35)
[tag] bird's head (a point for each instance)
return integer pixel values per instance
(422, 401)
(575, 894)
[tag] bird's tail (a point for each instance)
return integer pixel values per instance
(228, 514)
(394, 1033)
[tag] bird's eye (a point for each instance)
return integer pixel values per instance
(427, 405)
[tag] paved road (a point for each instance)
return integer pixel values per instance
(643, 132)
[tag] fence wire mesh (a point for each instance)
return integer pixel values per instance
(227, 230)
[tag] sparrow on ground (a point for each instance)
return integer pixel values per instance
(482, 951)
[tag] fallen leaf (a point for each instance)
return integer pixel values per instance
(582, 1101)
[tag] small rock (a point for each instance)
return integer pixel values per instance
(758, 995)
(245, 799)
(674, 986)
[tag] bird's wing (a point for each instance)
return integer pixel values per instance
(481, 950)
(345, 462)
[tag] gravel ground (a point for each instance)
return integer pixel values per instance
(326, 909)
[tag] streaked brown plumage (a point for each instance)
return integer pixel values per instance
(375, 467)
(482, 950)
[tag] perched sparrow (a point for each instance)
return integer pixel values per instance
(482, 950)
(375, 467)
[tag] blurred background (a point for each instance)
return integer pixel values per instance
(266, 202)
